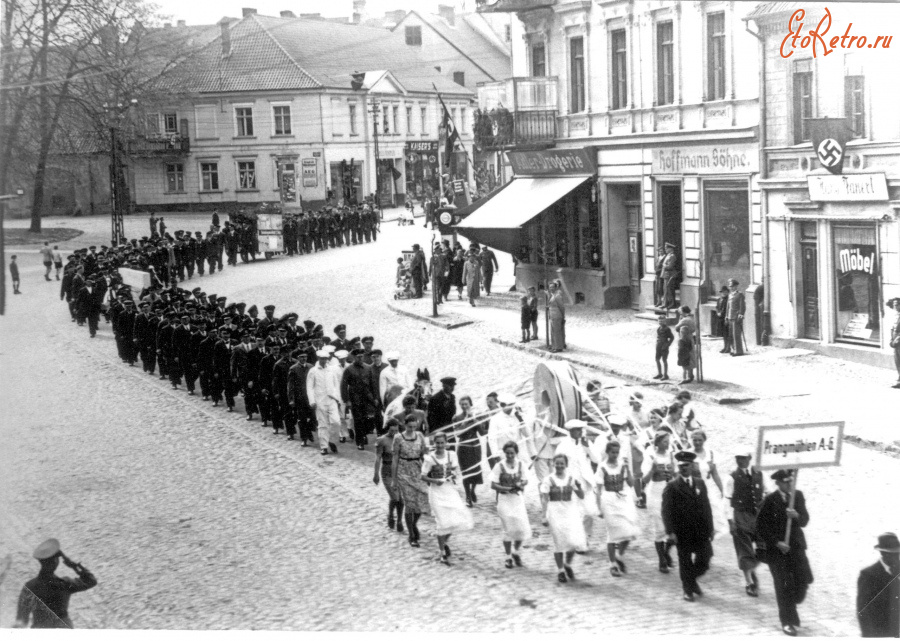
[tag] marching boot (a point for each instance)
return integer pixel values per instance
(669, 545)
(399, 505)
(661, 553)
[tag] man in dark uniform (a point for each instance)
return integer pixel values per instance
(44, 600)
(189, 359)
(240, 359)
(734, 317)
(360, 391)
(298, 400)
(212, 251)
(341, 342)
(280, 391)
(442, 406)
(142, 338)
(268, 407)
(670, 273)
(687, 517)
(200, 252)
(721, 311)
(181, 340)
(378, 366)
(269, 319)
(744, 490)
(489, 265)
(126, 328)
(164, 345)
(878, 591)
(787, 561)
(303, 234)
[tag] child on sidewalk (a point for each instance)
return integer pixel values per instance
(686, 354)
(14, 274)
(529, 316)
(664, 339)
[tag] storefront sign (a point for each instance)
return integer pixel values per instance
(799, 445)
(724, 159)
(857, 259)
(847, 187)
(857, 327)
(310, 172)
(424, 146)
(551, 162)
(460, 193)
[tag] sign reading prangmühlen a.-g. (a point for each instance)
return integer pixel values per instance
(799, 445)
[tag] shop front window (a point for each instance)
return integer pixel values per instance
(856, 282)
(728, 235)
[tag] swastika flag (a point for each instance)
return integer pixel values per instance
(829, 139)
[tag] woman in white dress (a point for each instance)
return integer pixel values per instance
(440, 470)
(508, 479)
(658, 469)
(558, 494)
(705, 468)
(617, 508)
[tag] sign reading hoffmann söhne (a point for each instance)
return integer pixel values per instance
(799, 445)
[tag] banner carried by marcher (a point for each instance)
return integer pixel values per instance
(136, 280)
(799, 445)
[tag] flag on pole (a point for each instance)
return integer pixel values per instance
(451, 131)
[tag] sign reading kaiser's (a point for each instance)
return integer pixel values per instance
(829, 140)
(799, 445)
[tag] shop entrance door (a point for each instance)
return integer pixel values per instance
(670, 232)
(810, 291)
(809, 275)
(635, 251)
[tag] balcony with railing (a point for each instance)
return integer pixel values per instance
(516, 113)
(511, 6)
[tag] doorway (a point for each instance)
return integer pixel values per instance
(635, 250)
(809, 277)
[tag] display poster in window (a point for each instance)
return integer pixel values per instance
(310, 172)
(858, 315)
(421, 158)
(288, 186)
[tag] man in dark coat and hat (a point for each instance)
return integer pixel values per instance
(787, 561)
(687, 517)
(442, 406)
(878, 591)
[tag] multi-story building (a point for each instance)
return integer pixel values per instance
(283, 108)
(660, 100)
(832, 239)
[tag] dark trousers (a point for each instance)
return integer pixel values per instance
(789, 592)
(417, 283)
(215, 388)
(287, 416)
(212, 264)
(190, 268)
(200, 266)
(488, 279)
(190, 376)
(275, 414)
(736, 335)
(93, 320)
(306, 420)
(263, 404)
(148, 358)
(229, 389)
(175, 372)
(693, 562)
(251, 396)
(378, 424)
(445, 287)
(363, 424)
(671, 283)
(204, 384)
(439, 287)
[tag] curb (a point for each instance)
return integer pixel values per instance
(450, 321)
(710, 398)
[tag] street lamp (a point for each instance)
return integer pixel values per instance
(375, 110)
(118, 185)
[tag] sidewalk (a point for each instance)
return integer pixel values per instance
(770, 382)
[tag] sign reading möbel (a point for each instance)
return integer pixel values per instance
(799, 445)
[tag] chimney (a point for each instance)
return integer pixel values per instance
(447, 13)
(167, 25)
(225, 29)
(311, 16)
(248, 11)
(182, 23)
(288, 14)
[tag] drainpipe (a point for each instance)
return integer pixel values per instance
(763, 171)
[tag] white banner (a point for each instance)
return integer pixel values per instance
(135, 279)
(799, 445)
(847, 187)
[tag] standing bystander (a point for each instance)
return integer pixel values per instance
(14, 274)
(878, 591)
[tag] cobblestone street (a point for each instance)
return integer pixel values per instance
(193, 518)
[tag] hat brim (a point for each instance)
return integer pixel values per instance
(883, 549)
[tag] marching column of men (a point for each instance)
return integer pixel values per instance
(306, 233)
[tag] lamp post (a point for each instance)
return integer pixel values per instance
(117, 183)
(375, 110)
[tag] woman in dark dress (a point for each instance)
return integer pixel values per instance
(468, 448)
(456, 271)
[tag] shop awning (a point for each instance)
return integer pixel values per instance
(497, 220)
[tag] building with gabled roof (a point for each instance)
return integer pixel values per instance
(270, 99)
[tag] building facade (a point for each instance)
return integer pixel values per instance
(833, 235)
(262, 115)
(654, 91)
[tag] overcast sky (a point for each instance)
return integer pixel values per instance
(211, 11)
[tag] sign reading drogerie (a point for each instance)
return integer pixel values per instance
(799, 445)
(551, 162)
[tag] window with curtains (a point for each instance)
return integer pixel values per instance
(619, 80)
(854, 104)
(246, 175)
(803, 102)
(665, 67)
(282, 116)
(576, 75)
(209, 176)
(715, 56)
(174, 177)
(538, 60)
(244, 117)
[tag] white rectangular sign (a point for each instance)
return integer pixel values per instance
(135, 279)
(799, 445)
(830, 188)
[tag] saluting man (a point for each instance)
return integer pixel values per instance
(44, 600)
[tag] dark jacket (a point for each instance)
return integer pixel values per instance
(878, 602)
(771, 522)
(358, 387)
(441, 410)
(296, 384)
(686, 512)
